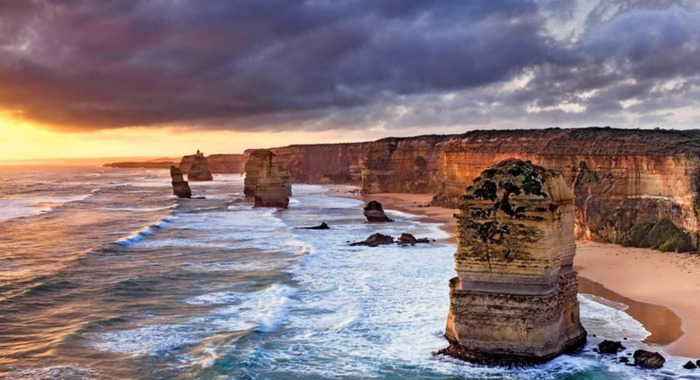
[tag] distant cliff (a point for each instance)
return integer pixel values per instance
(218, 163)
(322, 163)
(140, 165)
(621, 178)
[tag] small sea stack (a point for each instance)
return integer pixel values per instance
(514, 298)
(374, 212)
(199, 171)
(180, 187)
(265, 182)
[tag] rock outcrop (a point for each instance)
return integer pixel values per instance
(199, 171)
(322, 226)
(180, 187)
(375, 240)
(514, 297)
(610, 347)
(648, 360)
(218, 163)
(408, 239)
(374, 212)
(264, 181)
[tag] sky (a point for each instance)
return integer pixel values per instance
(89, 78)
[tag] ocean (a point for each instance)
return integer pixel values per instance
(105, 275)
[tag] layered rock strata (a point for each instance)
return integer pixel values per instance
(621, 178)
(180, 187)
(514, 297)
(265, 182)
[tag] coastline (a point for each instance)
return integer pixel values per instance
(661, 289)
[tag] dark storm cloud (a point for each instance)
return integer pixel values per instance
(319, 64)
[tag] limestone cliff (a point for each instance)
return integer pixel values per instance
(621, 178)
(514, 297)
(218, 163)
(321, 163)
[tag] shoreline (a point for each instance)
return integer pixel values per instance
(661, 289)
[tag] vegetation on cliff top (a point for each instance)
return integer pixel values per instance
(664, 235)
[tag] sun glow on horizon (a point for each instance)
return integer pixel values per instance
(23, 140)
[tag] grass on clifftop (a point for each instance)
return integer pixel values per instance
(664, 235)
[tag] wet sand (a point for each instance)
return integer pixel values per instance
(661, 289)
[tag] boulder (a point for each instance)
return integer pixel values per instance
(180, 187)
(610, 347)
(408, 239)
(690, 365)
(199, 171)
(375, 240)
(374, 212)
(649, 360)
(322, 226)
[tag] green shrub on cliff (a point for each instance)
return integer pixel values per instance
(663, 235)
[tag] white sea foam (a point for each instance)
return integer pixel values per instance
(150, 340)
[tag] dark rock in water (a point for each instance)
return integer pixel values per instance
(375, 240)
(649, 360)
(610, 347)
(322, 226)
(199, 171)
(624, 359)
(374, 212)
(408, 239)
(180, 187)
(690, 365)
(697, 363)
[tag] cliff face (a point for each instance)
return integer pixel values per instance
(322, 163)
(407, 165)
(514, 297)
(620, 178)
(218, 163)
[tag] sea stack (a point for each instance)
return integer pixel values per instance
(265, 182)
(199, 171)
(180, 187)
(514, 298)
(374, 212)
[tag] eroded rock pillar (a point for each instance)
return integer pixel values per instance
(514, 297)
(265, 181)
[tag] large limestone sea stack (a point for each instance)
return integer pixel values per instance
(199, 171)
(265, 181)
(514, 298)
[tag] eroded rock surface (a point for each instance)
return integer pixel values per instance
(265, 182)
(180, 187)
(199, 171)
(648, 359)
(514, 297)
(374, 212)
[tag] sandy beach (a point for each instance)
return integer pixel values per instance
(661, 289)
